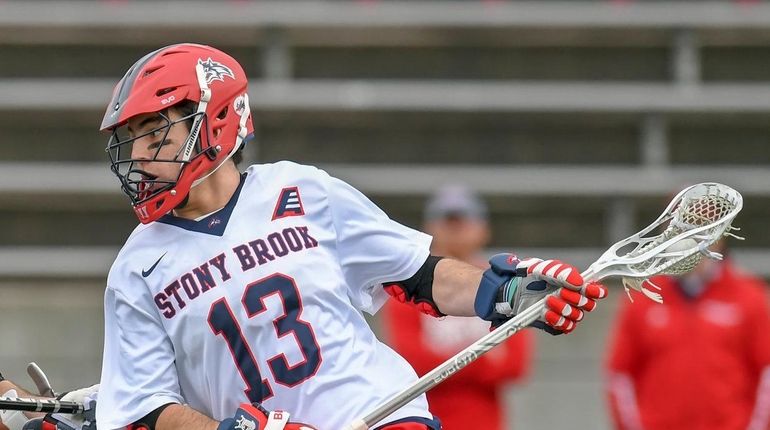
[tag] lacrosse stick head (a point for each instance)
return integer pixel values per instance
(694, 220)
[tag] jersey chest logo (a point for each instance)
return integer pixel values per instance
(146, 273)
(289, 204)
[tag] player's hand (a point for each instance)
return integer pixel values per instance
(512, 285)
(12, 420)
(253, 417)
(85, 421)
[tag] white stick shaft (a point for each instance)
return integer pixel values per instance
(463, 358)
(451, 366)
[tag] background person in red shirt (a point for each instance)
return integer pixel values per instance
(698, 361)
(471, 399)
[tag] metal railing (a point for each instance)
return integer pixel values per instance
(94, 179)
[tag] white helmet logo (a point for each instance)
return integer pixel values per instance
(214, 71)
(239, 104)
(245, 424)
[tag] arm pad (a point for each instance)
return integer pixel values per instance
(418, 290)
(148, 421)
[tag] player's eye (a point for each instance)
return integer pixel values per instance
(158, 134)
(157, 143)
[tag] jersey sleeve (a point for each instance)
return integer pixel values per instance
(138, 373)
(758, 324)
(624, 347)
(371, 247)
(757, 328)
(621, 366)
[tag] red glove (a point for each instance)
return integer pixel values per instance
(511, 285)
(255, 417)
(566, 308)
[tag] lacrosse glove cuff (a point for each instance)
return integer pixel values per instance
(247, 416)
(497, 288)
(254, 416)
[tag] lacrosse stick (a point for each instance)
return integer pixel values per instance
(40, 405)
(696, 218)
(41, 381)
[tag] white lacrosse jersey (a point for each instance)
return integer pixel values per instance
(260, 301)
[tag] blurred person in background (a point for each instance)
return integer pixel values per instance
(457, 220)
(699, 361)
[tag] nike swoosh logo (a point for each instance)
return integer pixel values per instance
(146, 273)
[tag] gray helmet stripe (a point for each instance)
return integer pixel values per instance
(126, 84)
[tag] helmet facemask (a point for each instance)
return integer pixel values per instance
(137, 182)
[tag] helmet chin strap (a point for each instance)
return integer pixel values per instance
(200, 113)
(242, 132)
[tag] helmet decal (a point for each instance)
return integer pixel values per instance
(239, 104)
(215, 71)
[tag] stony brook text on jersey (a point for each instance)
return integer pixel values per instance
(200, 279)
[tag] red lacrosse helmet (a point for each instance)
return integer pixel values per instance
(220, 125)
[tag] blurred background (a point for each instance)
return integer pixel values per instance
(575, 120)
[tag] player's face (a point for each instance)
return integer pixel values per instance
(157, 146)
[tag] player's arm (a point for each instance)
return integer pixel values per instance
(444, 286)
(7, 385)
(14, 420)
(625, 356)
(455, 284)
(758, 324)
(175, 416)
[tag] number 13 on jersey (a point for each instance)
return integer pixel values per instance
(223, 322)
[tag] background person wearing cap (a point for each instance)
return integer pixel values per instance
(457, 219)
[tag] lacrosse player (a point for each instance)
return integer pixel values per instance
(247, 288)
